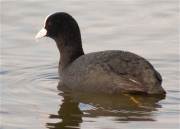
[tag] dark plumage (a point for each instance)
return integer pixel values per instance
(105, 71)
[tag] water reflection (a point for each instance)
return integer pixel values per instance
(77, 105)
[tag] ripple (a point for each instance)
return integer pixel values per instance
(29, 75)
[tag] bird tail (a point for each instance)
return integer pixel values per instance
(155, 89)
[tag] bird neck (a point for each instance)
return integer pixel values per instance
(70, 49)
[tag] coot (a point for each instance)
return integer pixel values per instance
(106, 71)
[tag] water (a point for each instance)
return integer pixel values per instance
(30, 95)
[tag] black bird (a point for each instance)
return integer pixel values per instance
(111, 71)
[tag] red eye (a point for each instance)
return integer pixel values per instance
(49, 23)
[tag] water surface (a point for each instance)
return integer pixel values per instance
(31, 96)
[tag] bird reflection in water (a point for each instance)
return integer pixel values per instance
(123, 108)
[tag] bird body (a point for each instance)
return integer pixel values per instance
(112, 72)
